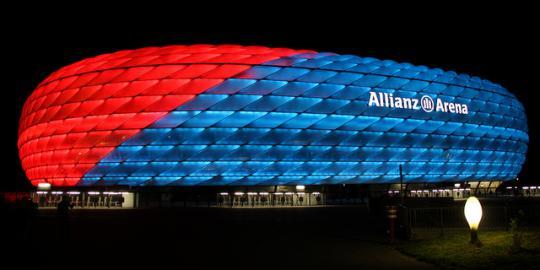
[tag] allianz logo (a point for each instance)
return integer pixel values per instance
(380, 99)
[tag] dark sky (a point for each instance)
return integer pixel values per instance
(500, 46)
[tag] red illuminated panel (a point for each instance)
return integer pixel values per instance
(81, 112)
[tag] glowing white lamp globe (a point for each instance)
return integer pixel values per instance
(473, 214)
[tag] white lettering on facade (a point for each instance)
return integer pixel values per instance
(426, 103)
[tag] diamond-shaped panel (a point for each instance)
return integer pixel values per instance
(233, 115)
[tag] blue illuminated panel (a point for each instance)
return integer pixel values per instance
(307, 119)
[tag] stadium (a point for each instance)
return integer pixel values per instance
(264, 126)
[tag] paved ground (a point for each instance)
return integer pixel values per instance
(315, 238)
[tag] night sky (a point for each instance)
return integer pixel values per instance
(494, 46)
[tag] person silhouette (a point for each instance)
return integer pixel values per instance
(63, 217)
(63, 207)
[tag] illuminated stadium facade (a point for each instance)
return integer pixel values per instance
(231, 116)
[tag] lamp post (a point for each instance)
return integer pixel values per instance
(473, 214)
(401, 192)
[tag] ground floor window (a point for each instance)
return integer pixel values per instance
(87, 199)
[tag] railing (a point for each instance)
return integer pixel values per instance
(452, 217)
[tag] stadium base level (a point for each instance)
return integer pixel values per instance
(268, 196)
